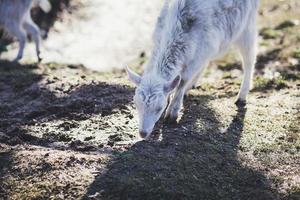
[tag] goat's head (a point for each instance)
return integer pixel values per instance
(151, 99)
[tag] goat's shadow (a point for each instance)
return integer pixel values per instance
(194, 160)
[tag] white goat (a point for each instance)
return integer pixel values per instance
(15, 19)
(189, 34)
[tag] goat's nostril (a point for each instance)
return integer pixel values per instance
(143, 134)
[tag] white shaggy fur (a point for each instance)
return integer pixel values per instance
(188, 35)
(15, 19)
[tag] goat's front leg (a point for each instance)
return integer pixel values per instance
(193, 84)
(188, 79)
(176, 103)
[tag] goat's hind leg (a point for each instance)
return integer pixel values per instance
(247, 45)
(16, 30)
(34, 32)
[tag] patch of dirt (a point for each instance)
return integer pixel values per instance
(69, 132)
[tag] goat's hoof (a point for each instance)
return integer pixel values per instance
(241, 103)
(40, 59)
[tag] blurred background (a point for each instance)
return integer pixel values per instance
(108, 34)
(100, 34)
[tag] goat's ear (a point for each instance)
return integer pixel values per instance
(171, 86)
(134, 77)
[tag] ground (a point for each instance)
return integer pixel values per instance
(68, 132)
